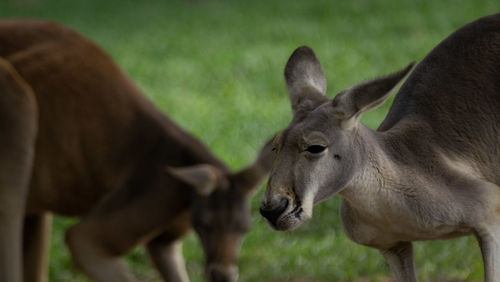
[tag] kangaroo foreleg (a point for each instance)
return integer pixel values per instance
(168, 259)
(489, 241)
(121, 221)
(400, 259)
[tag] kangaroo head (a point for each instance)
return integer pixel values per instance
(320, 151)
(220, 210)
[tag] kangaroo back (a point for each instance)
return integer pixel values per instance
(455, 94)
(94, 123)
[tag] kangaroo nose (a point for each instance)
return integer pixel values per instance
(273, 212)
(222, 273)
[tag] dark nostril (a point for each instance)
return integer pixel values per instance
(272, 213)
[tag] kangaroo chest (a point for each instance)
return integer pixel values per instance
(385, 223)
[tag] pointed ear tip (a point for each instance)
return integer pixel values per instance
(409, 67)
(303, 50)
(402, 73)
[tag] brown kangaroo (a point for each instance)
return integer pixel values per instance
(430, 171)
(79, 139)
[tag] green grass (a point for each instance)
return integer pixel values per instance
(216, 68)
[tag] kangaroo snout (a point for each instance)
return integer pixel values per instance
(273, 209)
(222, 273)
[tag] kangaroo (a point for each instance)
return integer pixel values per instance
(430, 171)
(79, 139)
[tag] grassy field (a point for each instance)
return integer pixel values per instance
(216, 68)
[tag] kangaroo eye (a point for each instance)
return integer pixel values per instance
(315, 149)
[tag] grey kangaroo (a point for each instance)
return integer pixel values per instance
(77, 138)
(430, 171)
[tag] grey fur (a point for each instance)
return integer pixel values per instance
(432, 169)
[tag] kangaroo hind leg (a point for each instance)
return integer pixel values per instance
(18, 124)
(36, 242)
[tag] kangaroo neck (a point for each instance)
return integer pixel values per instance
(387, 163)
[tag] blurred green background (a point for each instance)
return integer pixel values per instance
(215, 67)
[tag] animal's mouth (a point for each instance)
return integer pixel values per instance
(292, 220)
(297, 210)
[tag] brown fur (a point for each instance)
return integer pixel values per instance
(432, 169)
(102, 151)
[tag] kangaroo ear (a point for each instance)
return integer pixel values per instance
(305, 79)
(203, 178)
(250, 177)
(352, 102)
